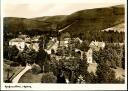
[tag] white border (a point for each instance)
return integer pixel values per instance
(38, 86)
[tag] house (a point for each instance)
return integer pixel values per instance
(34, 43)
(64, 39)
(78, 39)
(34, 46)
(35, 39)
(65, 42)
(95, 45)
(18, 42)
(23, 36)
(81, 52)
(89, 56)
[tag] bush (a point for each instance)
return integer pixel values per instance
(14, 64)
(36, 69)
(105, 74)
(111, 54)
(48, 78)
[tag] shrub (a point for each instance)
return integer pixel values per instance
(48, 78)
(14, 64)
(111, 54)
(36, 69)
(105, 74)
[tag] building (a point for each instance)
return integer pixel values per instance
(95, 45)
(34, 43)
(34, 46)
(89, 56)
(65, 42)
(18, 42)
(78, 39)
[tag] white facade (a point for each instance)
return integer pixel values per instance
(64, 42)
(97, 45)
(79, 39)
(89, 56)
(34, 46)
(19, 43)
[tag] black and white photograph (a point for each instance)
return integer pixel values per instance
(64, 43)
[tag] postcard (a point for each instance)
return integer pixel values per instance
(63, 45)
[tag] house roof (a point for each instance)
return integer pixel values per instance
(96, 44)
(17, 40)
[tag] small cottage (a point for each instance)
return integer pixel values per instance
(95, 45)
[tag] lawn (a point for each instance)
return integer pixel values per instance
(7, 67)
(29, 77)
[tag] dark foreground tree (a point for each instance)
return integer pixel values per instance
(61, 77)
(110, 54)
(48, 78)
(105, 74)
(12, 52)
(42, 58)
(36, 69)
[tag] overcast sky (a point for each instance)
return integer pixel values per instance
(39, 8)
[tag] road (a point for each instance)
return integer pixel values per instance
(17, 78)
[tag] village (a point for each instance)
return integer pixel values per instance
(54, 44)
(63, 55)
(68, 58)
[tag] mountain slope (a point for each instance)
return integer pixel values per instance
(86, 21)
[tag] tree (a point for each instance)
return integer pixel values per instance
(12, 52)
(84, 46)
(105, 74)
(6, 49)
(26, 56)
(61, 77)
(52, 51)
(33, 55)
(36, 69)
(48, 78)
(123, 59)
(110, 54)
(43, 40)
(42, 58)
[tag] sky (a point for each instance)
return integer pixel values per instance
(39, 8)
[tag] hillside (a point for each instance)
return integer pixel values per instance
(86, 21)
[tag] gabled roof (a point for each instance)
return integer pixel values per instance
(17, 40)
(96, 44)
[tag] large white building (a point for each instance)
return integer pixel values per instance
(94, 46)
(18, 42)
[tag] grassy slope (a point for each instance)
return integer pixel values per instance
(89, 21)
(15, 70)
(29, 77)
(99, 18)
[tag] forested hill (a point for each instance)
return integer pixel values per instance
(86, 21)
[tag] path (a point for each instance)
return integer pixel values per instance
(17, 78)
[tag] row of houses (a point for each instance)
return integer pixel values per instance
(33, 43)
(21, 42)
